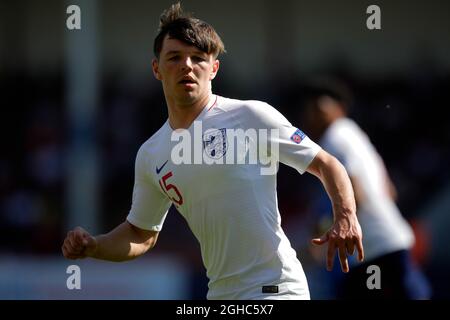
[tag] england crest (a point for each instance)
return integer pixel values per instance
(215, 143)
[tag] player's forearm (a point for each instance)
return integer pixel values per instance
(337, 183)
(345, 234)
(339, 188)
(121, 244)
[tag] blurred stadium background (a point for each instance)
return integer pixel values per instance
(76, 106)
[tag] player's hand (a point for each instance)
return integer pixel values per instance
(344, 236)
(79, 244)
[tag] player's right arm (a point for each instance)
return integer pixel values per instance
(124, 243)
(133, 237)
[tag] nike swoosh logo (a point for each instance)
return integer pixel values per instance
(158, 170)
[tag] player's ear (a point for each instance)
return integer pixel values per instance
(215, 69)
(155, 67)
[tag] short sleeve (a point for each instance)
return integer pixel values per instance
(295, 148)
(150, 206)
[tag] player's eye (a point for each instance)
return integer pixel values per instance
(174, 58)
(198, 59)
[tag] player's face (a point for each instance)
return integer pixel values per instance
(185, 71)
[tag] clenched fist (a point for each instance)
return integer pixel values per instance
(79, 244)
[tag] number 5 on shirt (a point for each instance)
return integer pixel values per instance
(166, 187)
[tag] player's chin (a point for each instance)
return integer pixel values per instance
(188, 96)
(190, 92)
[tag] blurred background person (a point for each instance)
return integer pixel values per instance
(388, 237)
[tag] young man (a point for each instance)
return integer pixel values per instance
(388, 237)
(231, 208)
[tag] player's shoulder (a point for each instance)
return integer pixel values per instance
(344, 133)
(152, 144)
(231, 103)
(252, 108)
(341, 128)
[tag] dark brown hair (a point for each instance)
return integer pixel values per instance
(182, 26)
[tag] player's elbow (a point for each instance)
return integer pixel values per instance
(140, 247)
(150, 243)
(145, 240)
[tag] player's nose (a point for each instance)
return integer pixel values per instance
(186, 63)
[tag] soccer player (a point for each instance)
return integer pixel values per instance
(388, 238)
(231, 208)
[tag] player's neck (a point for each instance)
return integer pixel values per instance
(181, 116)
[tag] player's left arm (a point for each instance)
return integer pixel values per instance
(345, 234)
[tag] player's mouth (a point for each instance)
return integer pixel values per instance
(187, 81)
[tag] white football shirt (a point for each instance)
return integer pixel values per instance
(231, 209)
(384, 229)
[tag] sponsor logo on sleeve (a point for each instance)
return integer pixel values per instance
(298, 136)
